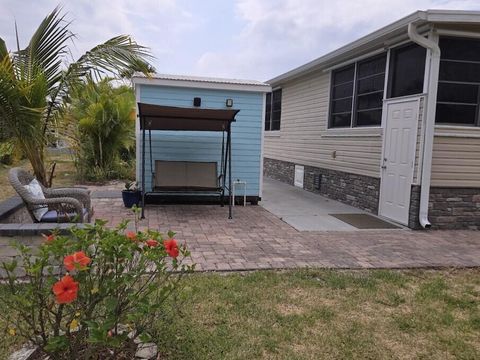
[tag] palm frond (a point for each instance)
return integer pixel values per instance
(47, 48)
(114, 57)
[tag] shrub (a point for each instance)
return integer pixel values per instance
(94, 291)
(101, 123)
(7, 153)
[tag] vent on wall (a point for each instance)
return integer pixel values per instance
(317, 181)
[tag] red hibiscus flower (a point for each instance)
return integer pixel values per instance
(49, 239)
(151, 243)
(77, 260)
(131, 235)
(65, 290)
(171, 247)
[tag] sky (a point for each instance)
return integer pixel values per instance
(248, 39)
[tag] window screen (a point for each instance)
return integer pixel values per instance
(407, 70)
(459, 82)
(273, 110)
(342, 97)
(369, 95)
(357, 93)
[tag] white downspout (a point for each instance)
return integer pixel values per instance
(429, 120)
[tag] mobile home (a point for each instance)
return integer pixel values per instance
(389, 123)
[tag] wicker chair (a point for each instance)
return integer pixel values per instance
(64, 204)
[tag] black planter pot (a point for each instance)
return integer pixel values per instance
(131, 198)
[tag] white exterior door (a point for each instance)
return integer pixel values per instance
(400, 139)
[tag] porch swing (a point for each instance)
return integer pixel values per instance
(187, 177)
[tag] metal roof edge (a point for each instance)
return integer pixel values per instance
(201, 82)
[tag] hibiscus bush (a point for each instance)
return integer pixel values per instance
(94, 292)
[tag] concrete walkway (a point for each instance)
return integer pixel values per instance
(303, 210)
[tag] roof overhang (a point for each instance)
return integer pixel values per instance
(383, 38)
(197, 82)
(157, 117)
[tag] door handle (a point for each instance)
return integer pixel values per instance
(384, 166)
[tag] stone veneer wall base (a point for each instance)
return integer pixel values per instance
(449, 208)
(357, 190)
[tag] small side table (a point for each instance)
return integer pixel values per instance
(234, 186)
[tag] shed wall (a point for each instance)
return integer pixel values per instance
(206, 146)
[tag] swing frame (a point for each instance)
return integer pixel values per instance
(168, 118)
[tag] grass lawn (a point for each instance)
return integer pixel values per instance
(323, 314)
(64, 173)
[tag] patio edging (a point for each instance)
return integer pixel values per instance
(10, 206)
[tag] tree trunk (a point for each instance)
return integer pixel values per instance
(36, 157)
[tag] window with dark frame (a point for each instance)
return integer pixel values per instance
(273, 110)
(407, 70)
(458, 98)
(357, 94)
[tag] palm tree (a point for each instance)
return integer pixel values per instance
(35, 82)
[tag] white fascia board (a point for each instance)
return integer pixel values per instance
(453, 16)
(202, 85)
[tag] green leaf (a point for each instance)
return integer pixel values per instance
(57, 344)
(145, 337)
(3, 49)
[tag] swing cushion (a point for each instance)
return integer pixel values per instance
(186, 175)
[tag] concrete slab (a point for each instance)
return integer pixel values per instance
(303, 210)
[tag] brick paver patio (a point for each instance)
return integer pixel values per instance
(256, 239)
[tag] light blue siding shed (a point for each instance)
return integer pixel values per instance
(247, 131)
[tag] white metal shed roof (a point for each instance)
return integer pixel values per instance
(201, 82)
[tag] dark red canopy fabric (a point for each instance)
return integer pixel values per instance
(157, 117)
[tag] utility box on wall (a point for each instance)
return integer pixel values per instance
(299, 175)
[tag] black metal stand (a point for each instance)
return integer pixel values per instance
(143, 167)
(229, 150)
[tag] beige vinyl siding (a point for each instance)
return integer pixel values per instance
(304, 139)
(456, 157)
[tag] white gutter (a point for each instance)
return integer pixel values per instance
(429, 120)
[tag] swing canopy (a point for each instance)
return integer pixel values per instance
(185, 176)
(156, 117)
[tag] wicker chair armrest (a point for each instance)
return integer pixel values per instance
(70, 201)
(82, 195)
